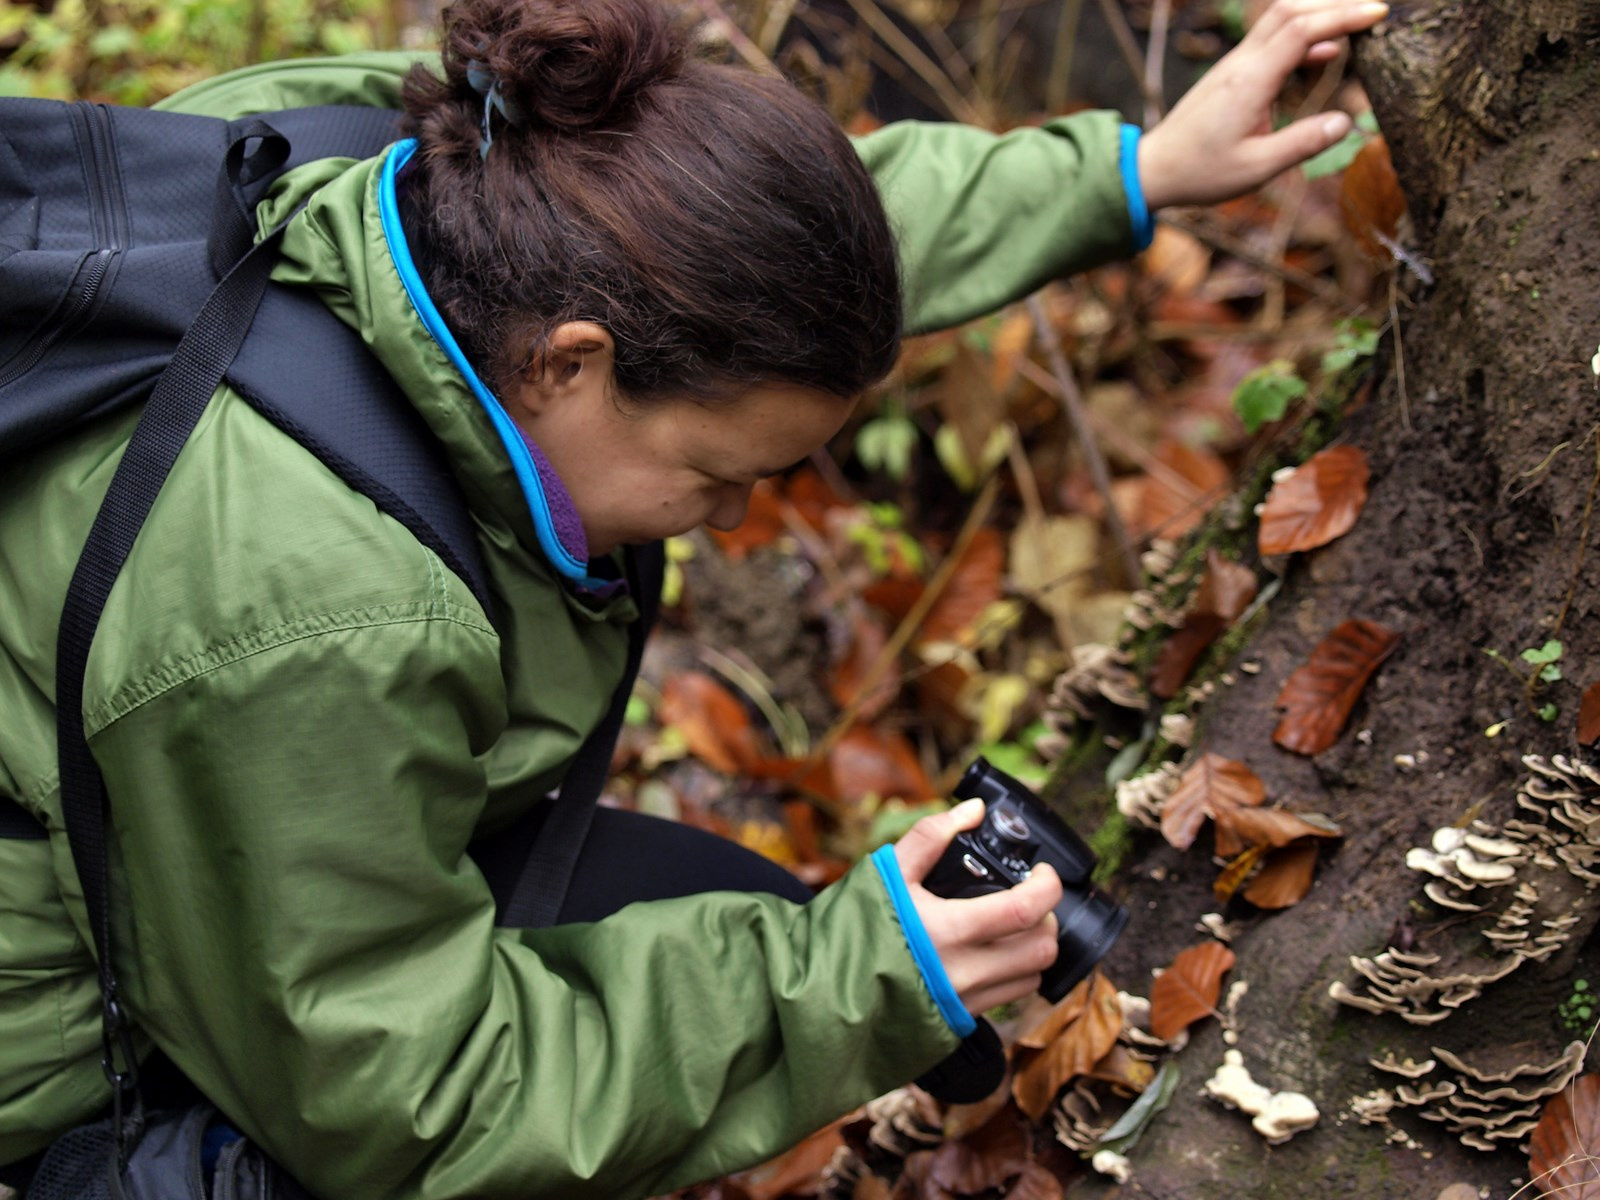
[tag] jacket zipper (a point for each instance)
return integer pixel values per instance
(109, 212)
(201, 1117)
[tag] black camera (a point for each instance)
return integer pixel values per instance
(1018, 831)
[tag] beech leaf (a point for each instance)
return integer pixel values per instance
(1562, 1154)
(973, 586)
(1318, 697)
(1188, 989)
(1269, 828)
(1073, 1052)
(1173, 502)
(1371, 199)
(1225, 591)
(1212, 785)
(1589, 716)
(712, 720)
(1316, 504)
(1285, 878)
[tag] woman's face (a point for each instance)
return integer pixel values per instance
(672, 465)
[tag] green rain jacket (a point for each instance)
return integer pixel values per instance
(303, 718)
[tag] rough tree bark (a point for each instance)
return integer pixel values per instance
(1482, 438)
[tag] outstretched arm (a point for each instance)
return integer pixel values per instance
(1218, 141)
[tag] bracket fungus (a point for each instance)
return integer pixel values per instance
(1490, 1103)
(1098, 674)
(1527, 882)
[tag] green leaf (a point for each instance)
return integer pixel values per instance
(1119, 1139)
(1549, 712)
(1353, 339)
(1265, 393)
(1550, 674)
(1336, 157)
(885, 444)
(1547, 653)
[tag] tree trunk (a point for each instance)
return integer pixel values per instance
(1481, 435)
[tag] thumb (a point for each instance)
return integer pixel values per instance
(928, 839)
(1303, 139)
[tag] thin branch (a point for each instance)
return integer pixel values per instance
(729, 28)
(1072, 400)
(928, 70)
(1155, 56)
(1057, 87)
(1123, 33)
(1327, 292)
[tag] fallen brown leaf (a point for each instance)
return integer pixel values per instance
(1188, 989)
(1213, 784)
(1226, 590)
(1371, 199)
(1269, 828)
(1318, 697)
(1317, 504)
(1286, 877)
(1564, 1152)
(712, 720)
(1589, 716)
(1073, 1052)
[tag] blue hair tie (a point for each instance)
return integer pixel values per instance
(489, 85)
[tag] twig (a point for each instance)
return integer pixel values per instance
(1056, 88)
(729, 29)
(1118, 438)
(913, 620)
(1399, 351)
(1218, 240)
(775, 22)
(753, 682)
(1155, 56)
(1072, 400)
(1123, 33)
(928, 70)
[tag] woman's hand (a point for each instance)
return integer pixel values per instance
(993, 947)
(1218, 141)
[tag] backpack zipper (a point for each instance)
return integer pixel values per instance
(91, 125)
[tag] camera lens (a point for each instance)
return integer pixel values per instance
(1008, 823)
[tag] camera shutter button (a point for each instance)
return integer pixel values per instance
(974, 867)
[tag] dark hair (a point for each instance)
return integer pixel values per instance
(715, 221)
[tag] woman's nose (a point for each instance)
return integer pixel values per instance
(733, 501)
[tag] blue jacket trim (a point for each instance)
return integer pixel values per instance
(564, 561)
(1139, 215)
(922, 951)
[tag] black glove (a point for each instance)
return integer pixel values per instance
(971, 1072)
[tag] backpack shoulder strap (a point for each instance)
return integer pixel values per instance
(334, 398)
(530, 885)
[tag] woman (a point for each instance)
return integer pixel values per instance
(619, 286)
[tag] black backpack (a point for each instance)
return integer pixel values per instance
(130, 272)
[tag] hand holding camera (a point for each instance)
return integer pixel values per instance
(1000, 941)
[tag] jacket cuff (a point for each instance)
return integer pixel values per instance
(1139, 215)
(921, 946)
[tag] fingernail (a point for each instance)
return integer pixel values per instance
(968, 810)
(1336, 125)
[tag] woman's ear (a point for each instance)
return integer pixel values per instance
(577, 362)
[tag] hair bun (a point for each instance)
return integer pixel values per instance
(565, 64)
